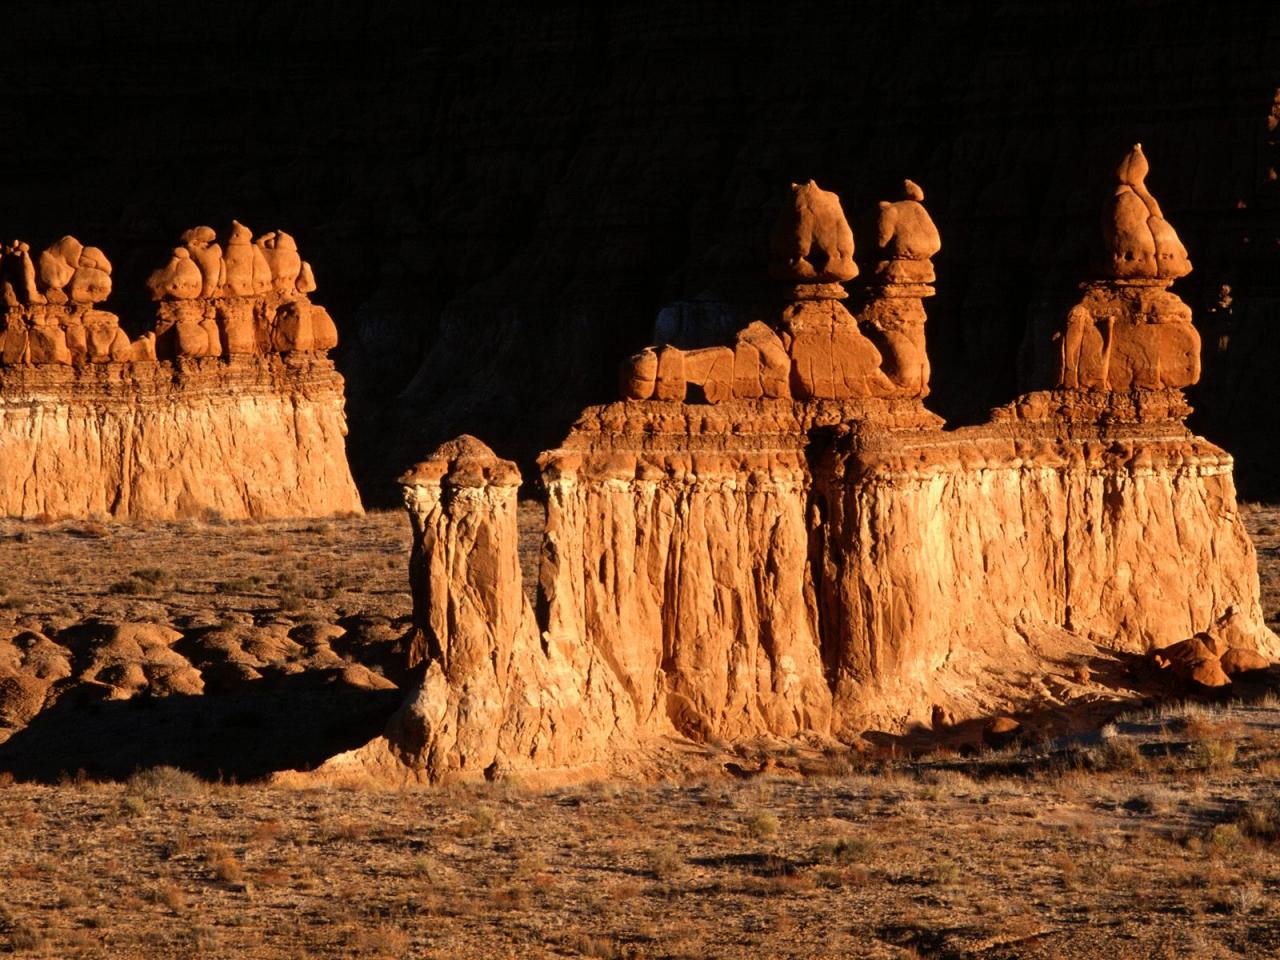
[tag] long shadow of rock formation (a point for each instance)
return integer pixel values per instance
(244, 733)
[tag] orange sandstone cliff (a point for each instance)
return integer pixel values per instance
(775, 537)
(228, 405)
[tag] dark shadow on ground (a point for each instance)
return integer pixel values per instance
(1125, 683)
(244, 733)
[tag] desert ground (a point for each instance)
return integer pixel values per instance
(1153, 834)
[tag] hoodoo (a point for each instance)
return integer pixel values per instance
(776, 537)
(228, 405)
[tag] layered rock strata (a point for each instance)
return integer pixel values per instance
(227, 406)
(495, 697)
(827, 560)
(258, 437)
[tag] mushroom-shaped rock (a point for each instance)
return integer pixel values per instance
(306, 279)
(280, 251)
(179, 279)
(294, 329)
(811, 241)
(57, 265)
(202, 244)
(247, 271)
(907, 239)
(1138, 243)
(91, 282)
(324, 331)
(18, 275)
(461, 462)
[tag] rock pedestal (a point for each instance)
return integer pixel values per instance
(494, 697)
(827, 560)
(1129, 331)
(260, 437)
(241, 417)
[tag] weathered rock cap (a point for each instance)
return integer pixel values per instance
(811, 241)
(1138, 243)
(462, 462)
(906, 239)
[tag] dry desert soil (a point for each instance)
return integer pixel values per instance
(1155, 835)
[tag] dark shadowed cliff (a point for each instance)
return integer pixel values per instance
(499, 204)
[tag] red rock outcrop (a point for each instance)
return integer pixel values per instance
(816, 349)
(256, 437)
(495, 697)
(243, 416)
(818, 564)
(250, 299)
(1129, 332)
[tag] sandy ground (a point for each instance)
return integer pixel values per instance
(1156, 837)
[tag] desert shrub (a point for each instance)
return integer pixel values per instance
(1261, 820)
(26, 937)
(588, 945)
(663, 860)
(1225, 836)
(846, 850)
(226, 867)
(146, 581)
(165, 782)
(170, 894)
(289, 601)
(384, 940)
(1115, 755)
(944, 872)
(761, 825)
(478, 821)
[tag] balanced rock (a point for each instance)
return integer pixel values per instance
(906, 239)
(1138, 242)
(1129, 332)
(811, 242)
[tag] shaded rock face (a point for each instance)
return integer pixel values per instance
(257, 437)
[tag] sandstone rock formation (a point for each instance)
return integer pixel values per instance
(263, 437)
(247, 298)
(1130, 332)
(90, 423)
(819, 564)
(494, 698)
(815, 348)
(894, 317)
(50, 314)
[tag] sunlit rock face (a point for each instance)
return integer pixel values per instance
(731, 552)
(227, 405)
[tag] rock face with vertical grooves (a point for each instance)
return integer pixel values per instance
(256, 437)
(768, 568)
(827, 563)
(227, 406)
